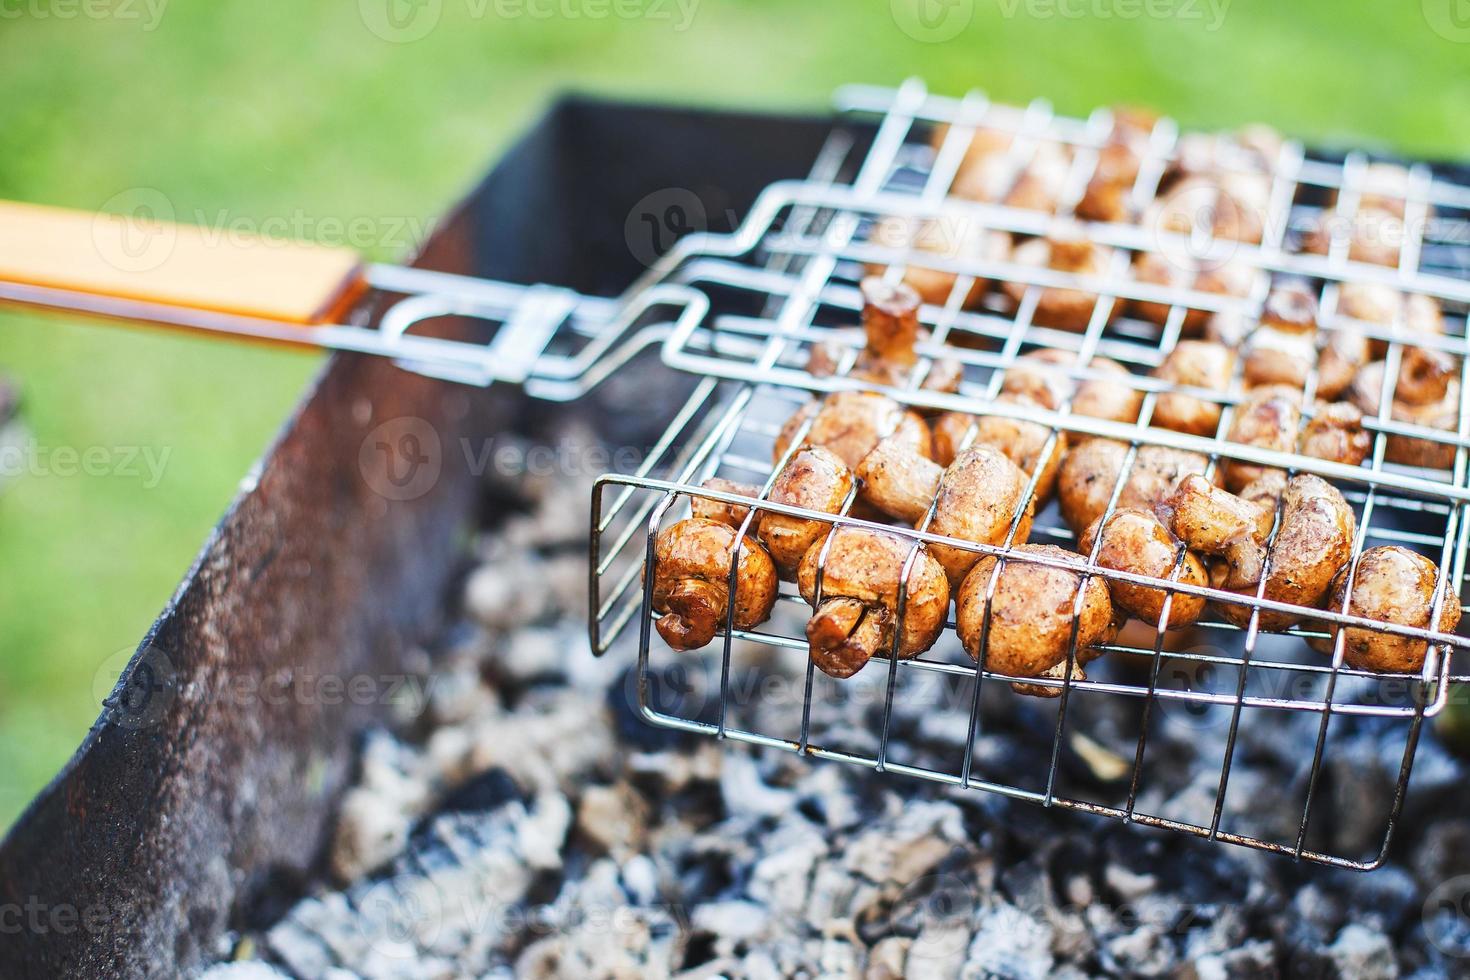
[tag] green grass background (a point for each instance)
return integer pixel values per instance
(254, 111)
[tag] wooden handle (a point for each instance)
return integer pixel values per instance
(175, 265)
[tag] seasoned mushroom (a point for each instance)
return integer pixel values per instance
(985, 171)
(1314, 541)
(1059, 306)
(814, 479)
(1135, 541)
(1214, 521)
(851, 423)
(1392, 585)
(891, 332)
(974, 499)
(1336, 432)
(1282, 349)
(1090, 471)
(691, 582)
(1196, 364)
(1027, 444)
(1342, 357)
(1043, 375)
(1409, 317)
(1371, 235)
(1269, 419)
(1040, 184)
(950, 239)
(1441, 413)
(1029, 630)
(1231, 278)
(857, 614)
(718, 510)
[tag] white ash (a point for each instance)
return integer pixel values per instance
(529, 823)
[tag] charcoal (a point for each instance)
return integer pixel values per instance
(556, 832)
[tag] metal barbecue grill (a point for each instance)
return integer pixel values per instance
(788, 278)
(744, 310)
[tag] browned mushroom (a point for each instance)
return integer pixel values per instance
(691, 582)
(1283, 348)
(1372, 235)
(1336, 432)
(1268, 418)
(814, 479)
(975, 498)
(1421, 374)
(1042, 180)
(856, 616)
(1030, 445)
(1339, 362)
(851, 423)
(1032, 612)
(1090, 471)
(1313, 541)
(985, 171)
(1391, 585)
(1408, 317)
(1044, 376)
(1229, 278)
(717, 510)
(948, 239)
(1136, 541)
(1064, 307)
(1197, 364)
(891, 333)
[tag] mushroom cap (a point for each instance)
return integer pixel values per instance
(1090, 470)
(1196, 364)
(1041, 375)
(1394, 585)
(867, 565)
(1314, 541)
(814, 479)
(1444, 414)
(1031, 613)
(691, 581)
(1058, 306)
(851, 423)
(1135, 541)
(978, 497)
(1268, 418)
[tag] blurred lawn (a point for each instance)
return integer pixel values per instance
(257, 111)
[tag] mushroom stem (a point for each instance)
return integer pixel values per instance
(695, 609)
(844, 634)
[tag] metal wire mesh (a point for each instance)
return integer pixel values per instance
(787, 281)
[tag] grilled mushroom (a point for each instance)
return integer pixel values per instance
(975, 498)
(1314, 541)
(1040, 184)
(1409, 317)
(1336, 432)
(1043, 374)
(1230, 278)
(1030, 626)
(949, 239)
(814, 479)
(891, 332)
(1090, 471)
(1196, 364)
(1282, 349)
(717, 510)
(1027, 444)
(1060, 306)
(1371, 235)
(851, 423)
(1422, 374)
(1269, 419)
(857, 615)
(1136, 541)
(1392, 585)
(691, 582)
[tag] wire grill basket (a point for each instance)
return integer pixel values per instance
(787, 281)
